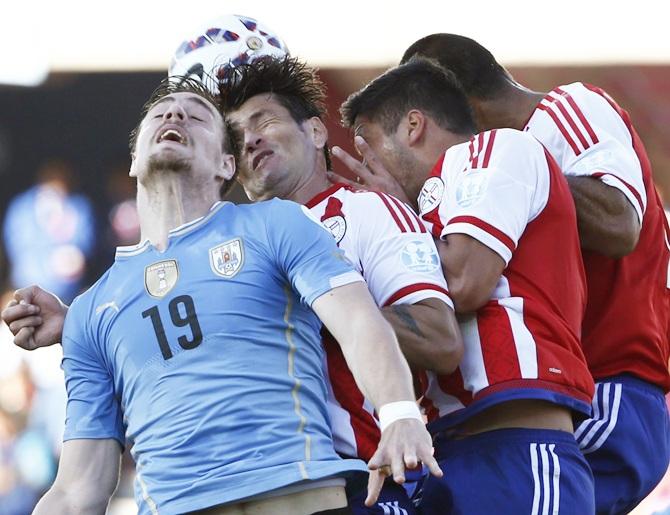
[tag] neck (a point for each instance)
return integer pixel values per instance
(512, 108)
(307, 190)
(169, 202)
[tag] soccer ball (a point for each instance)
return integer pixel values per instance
(228, 40)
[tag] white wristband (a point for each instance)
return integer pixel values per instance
(393, 411)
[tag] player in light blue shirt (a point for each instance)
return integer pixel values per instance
(200, 349)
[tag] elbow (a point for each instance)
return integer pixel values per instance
(450, 352)
(467, 295)
(620, 240)
(623, 242)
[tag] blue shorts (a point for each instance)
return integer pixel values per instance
(627, 442)
(393, 500)
(510, 472)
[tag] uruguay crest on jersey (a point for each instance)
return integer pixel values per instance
(227, 259)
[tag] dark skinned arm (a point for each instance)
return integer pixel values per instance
(472, 270)
(428, 334)
(608, 223)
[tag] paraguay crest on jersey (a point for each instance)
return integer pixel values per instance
(227, 259)
(431, 194)
(160, 278)
(333, 219)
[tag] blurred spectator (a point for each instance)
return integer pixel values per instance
(49, 233)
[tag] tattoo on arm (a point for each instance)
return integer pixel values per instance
(404, 315)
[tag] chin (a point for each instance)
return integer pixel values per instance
(168, 164)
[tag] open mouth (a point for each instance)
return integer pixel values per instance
(259, 158)
(172, 135)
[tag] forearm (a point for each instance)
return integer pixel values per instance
(428, 335)
(375, 359)
(608, 223)
(71, 502)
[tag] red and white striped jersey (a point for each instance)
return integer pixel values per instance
(503, 189)
(625, 329)
(387, 243)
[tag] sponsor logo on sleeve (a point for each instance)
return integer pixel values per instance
(160, 278)
(227, 259)
(472, 187)
(431, 194)
(420, 256)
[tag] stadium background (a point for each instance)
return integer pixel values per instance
(82, 115)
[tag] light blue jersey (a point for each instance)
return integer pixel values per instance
(207, 359)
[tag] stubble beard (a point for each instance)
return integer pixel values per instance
(161, 163)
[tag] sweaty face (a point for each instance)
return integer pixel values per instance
(277, 152)
(180, 132)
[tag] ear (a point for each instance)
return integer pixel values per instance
(415, 126)
(227, 167)
(317, 131)
(133, 166)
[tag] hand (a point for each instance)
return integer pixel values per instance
(370, 172)
(35, 317)
(404, 444)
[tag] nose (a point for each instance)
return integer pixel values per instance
(251, 141)
(174, 112)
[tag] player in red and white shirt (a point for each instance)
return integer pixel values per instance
(510, 251)
(276, 107)
(623, 234)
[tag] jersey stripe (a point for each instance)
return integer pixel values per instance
(392, 211)
(403, 211)
(635, 193)
(577, 131)
(422, 228)
(496, 233)
(561, 128)
(493, 324)
(489, 148)
(579, 114)
(412, 288)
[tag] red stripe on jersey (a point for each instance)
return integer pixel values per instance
(412, 288)
(453, 385)
(392, 211)
(437, 168)
(570, 120)
(430, 410)
(496, 233)
(489, 149)
(579, 113)
(635, 193)
(471, 147)
(501, 359)
(403, 211)
(480, 146)
(422, 228)
(561, 128)
(433, 217)
(366, 431)
(325, 194)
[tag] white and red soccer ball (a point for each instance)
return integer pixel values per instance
(228, 40)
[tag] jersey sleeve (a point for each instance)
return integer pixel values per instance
(493, 202)
(397, 254)
(306, 252)
(592, 140)
(93, 410)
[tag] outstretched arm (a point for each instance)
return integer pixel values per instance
(373, 355)
(35, 317)
(88, 473)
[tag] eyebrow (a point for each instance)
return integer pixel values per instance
(194, 99)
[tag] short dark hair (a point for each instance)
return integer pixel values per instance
(178, 84)
(473, 65)
(296, 86)
(417, 84)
